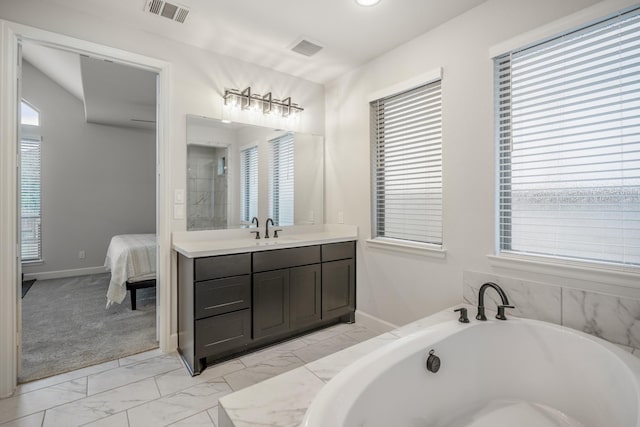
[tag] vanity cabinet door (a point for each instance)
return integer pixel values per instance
(338, 288)
(305, 290)
(270, 303)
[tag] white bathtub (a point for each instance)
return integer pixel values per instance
(514, 373)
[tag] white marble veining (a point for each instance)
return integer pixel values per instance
(280, 401)
(329, 366)
(213, 413)
(193, 244)
(179, 405)
(107, 380)
(39, 400)
(324, 348)
(118, 420)
(324, 334)
(179, 379)
(160, 392)
(532, 300)
(101, 405)
(154, 389)
(34, 420)
(284, 348)
(614, 318)
(201, 419)
(610, 317)
(263, 370)
(139, 357)
(78, 373)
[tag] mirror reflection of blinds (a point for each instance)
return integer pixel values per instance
(30, 200)
(568, 120)
(281, 204)
(248, 183)
(406, 132)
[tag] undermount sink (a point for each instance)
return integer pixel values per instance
(275, 241)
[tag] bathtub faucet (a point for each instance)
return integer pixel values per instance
(503, 297)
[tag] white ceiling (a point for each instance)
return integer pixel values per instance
(117, 94)
(113, 94)
(62, 67)
(257, 31)
(263, 31)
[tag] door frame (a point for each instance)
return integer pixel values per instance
(11, 34)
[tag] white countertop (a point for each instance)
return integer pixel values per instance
(282, 401)
(195, 244)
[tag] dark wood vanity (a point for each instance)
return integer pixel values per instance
(232, 304)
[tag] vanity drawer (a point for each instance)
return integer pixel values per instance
(336, 251)
(216, 267)
(221, 296)
(221, 333)
(285, 258)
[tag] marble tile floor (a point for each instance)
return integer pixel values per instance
(154, 389)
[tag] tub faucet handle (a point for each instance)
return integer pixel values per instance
(463, 315)
(500, 315)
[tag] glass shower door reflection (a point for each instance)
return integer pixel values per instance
(207, 187)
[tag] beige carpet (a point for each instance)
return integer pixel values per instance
(65, 325)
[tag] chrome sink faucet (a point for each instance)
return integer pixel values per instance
(503, 297)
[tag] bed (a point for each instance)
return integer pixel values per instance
(131, 258)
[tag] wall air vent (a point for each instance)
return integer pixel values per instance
(173, 11)
(306, 48)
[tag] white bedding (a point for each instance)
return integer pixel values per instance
(130, 257)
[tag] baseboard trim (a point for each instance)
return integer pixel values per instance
(374, 323)
(172, 345)
(65, 273)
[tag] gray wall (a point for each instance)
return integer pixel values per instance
(97, 181)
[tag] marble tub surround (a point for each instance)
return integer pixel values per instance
(154, 389)
(193, 244)
(282, 401)
(610, 317)
(613, 318)
(533, 300)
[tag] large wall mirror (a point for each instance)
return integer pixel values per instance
(237, 171)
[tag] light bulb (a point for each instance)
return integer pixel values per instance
(367, 2)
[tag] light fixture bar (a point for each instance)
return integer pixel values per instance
(246, 99)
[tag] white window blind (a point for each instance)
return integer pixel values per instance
(406, 131)
(281, 202)
(568, 120)
(30, 200)
(248, 183)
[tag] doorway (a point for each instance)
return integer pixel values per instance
(11, 35)
(94, 132)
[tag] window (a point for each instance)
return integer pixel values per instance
(407, 149)
(281, 180)
(248, 183)
(29, 115)
(30, 185)
(568, 122)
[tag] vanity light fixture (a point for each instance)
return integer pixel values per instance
(246, 100)
(367, 2)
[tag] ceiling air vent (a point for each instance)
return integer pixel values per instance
(173, 11)
(306, 48)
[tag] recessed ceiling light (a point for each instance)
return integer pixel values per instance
(367, 2)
